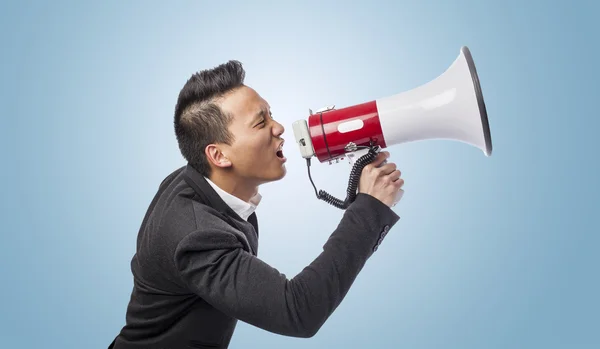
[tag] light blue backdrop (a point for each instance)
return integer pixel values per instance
(498, 252)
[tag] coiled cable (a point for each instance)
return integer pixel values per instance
(353, 181)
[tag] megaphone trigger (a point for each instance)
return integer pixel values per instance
(355, 155)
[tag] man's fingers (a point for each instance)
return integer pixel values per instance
(395, 175)
(387, 169)
(377, 162)
(399, 182)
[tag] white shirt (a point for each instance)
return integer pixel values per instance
(242, 208)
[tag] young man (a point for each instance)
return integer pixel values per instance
(196, 270)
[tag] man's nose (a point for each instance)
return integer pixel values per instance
(278, 129)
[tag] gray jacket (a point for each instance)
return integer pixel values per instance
(196, 270)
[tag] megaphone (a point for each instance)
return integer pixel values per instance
(449, 107)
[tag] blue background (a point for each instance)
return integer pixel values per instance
(498, 252)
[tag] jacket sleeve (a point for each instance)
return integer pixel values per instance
(214, 265)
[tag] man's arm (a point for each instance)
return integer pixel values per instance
(215, 266)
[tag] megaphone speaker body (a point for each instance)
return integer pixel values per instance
(448, 107)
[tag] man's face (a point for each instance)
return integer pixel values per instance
(255, 154)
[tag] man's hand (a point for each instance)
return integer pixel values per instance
(383, 183)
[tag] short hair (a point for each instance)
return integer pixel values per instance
(199, 121)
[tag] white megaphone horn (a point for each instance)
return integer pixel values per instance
(449, 107)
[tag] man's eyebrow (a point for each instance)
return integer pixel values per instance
(261, 114)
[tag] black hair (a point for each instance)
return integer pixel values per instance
(199, 121)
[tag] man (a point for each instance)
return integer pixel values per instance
(196, 270)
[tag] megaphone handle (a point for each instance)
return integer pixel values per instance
(352, 157)
(355, 174)
(400, 192)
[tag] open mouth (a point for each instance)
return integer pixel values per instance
(279, 152)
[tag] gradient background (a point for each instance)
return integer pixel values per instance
(498, 252)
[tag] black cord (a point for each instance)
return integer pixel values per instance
(310, 178)
(352, 181)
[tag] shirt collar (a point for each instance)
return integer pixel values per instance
(242, 208)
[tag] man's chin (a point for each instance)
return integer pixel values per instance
(276, 175)
(283, 172)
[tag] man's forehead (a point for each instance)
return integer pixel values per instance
(244, 102)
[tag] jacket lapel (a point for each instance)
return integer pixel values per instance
(211, 198)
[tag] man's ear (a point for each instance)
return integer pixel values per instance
(214, 154)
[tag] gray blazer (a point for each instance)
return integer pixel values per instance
(196, 270)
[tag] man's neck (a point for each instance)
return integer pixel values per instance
(234, 186)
